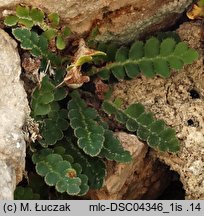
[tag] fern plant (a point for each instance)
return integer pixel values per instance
(66, 177)
(30, 17)
(82, 119)
(148, 129)
(154, 57)
(75, 139)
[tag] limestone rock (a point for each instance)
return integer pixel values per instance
(179, 101)
(144, 177)
(13, 111)
(121, 20)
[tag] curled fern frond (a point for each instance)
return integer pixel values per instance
(154, 132)
(151, 58)
(89, 133)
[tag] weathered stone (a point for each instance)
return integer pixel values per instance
(144, 177)
(121, 20)
(13, 111)
(173, 101)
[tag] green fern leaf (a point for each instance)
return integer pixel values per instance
(162, 67)
(90, 135)
(113, 150)
(26, 17)
(152, 58)
(167, 46)
(189, 56)
(22, 12)
(26, 22)
(42, 98)
(175, 63)
(136, 50)
(11, 20)
(148, 129)
(53, 127)
(54, 19)
(121, 54)
(38, 45)
(104, 74)
(66, 177)
(66, 32)
(50, 33)
(118, 72)
(147, 68)
(131, 70)
(93, 167)
(60, 43)
(37, 15)
(151, 48)
(111, 51)
(60, 94)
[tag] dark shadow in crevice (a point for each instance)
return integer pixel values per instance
(174, 190)
(194, 94)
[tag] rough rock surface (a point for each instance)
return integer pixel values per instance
(143, 178)
(123, 20)
(13, 111)
(179, 101)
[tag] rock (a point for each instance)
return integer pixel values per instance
(143, 178)
(13, 111)
(179, 101)
(121, 20)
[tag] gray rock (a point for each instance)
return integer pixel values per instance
(122, 20)
(13, 111)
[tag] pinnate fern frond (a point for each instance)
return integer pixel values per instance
(52, 127)
(93, 167)
(151, 58)
(89, 133)
(45, 96)
(38, 45)
(30, 17)
(25, 16)
(154, 132)
(93, 137)
(113, 150)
